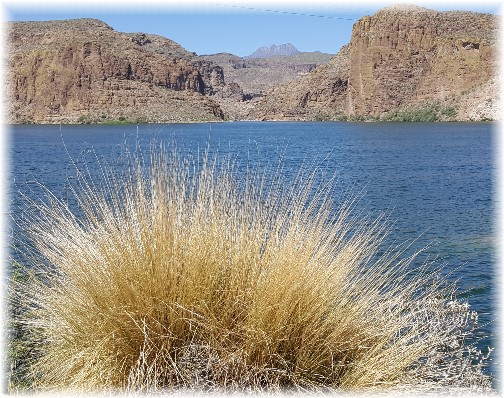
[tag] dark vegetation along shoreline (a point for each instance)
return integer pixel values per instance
(404, 63)
(174, 275)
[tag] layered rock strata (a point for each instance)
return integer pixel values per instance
(408, 55)
(64, 71)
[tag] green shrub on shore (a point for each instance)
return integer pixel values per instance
(430, 112)
(104, 119)
(180, 275)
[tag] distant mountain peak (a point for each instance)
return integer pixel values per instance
(405, 8)
(282, 50)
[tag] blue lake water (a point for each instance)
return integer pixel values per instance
(436, 180)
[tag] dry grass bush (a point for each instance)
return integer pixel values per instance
(182, 275)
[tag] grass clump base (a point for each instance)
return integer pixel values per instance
(180, 275)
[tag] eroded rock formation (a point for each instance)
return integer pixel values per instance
(406, 55)
(64, 71)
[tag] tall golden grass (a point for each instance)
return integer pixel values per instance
(177, 274)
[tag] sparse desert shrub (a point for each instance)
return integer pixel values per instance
(319, 116)
(84, 119)
(179, 274)
(449, 111)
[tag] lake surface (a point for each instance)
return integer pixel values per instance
(436, 180)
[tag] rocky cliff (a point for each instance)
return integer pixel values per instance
(83, 70)
(402, 62)
(408, 55)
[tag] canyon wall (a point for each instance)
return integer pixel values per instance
(406, 55)
(83, 70)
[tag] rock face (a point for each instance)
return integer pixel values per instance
(403, 57)
(283, 50)
(75, 70)
(407, 55)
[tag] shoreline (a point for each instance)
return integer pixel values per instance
(258, 121)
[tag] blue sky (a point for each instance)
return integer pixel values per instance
(227, 26)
